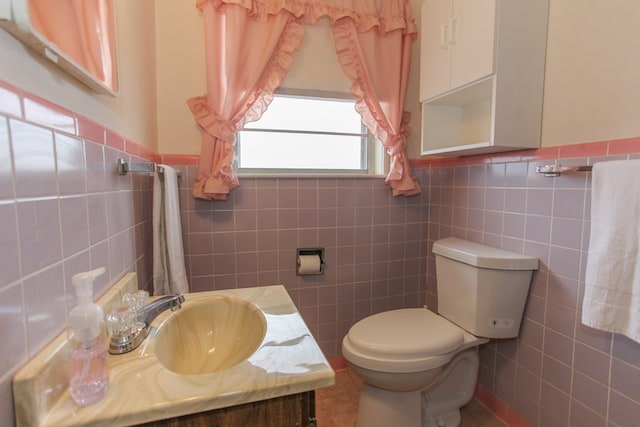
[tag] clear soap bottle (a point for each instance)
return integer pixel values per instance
(88, 368)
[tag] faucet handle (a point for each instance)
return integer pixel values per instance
(122, 321)
(136, 300)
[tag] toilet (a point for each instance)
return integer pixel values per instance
(419, 367)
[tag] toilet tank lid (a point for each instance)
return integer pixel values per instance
(483, 256)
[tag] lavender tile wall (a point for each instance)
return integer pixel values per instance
(374, 246)
(72, 212)
(63, 210)
(558, 372)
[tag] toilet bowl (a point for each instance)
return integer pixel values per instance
(396, 366)
(419, 367)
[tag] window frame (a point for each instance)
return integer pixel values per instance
(372, 153)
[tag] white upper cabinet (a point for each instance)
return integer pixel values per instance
(482, 75)
(457, 43)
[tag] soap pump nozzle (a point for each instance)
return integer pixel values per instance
(87, 319)
(84, 284)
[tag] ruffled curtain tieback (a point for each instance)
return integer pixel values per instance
(210, 121)
(396, 144)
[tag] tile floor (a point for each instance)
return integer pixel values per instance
(337, 406)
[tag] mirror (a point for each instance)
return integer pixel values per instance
(77, 35)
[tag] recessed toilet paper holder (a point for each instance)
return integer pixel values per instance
(309, 261)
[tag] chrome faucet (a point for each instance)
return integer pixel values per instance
(147, 313)
(130, 326)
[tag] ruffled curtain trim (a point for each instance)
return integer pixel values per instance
(259, 99)
(275, 72)
(219, 186)
(382, 15)
(395, 143)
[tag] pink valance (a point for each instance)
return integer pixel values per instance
(383, 15)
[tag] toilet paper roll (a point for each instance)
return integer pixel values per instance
(309, 264)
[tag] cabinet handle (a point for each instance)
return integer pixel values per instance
(444, 36)
(454, 31)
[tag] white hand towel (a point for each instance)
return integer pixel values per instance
(612, 284)
(169, 273)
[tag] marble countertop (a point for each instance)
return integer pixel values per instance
(288, 361)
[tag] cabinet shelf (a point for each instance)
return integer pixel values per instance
(459, 121)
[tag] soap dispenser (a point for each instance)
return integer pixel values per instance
(88, 369)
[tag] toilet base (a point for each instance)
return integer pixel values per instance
(436, 405)
(382, 408)
(441, 404)
(449, 419)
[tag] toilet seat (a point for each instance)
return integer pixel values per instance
(404, 340)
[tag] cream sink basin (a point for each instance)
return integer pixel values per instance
(209, 335)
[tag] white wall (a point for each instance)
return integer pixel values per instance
(180, 73)
(131, 114)
(592, 89)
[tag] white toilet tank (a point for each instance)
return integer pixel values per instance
(482, 289)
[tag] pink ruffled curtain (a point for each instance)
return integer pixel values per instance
(247, 58)
(249, 46)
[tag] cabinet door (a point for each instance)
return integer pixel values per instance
(435, 53)
(472, 40)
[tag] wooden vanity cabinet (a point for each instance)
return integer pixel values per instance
(482, 75)
(297, 410)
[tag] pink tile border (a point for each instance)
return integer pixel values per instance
(17, 103)
(90, 130)
(499, 409)
(114, 140)
(624, 146)
(10, 102)
(133, 148)
(588, 149)
(339, 363)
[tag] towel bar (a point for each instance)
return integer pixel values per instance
(124, 167)
(557, 170)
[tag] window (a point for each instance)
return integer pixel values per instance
(307, 134)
